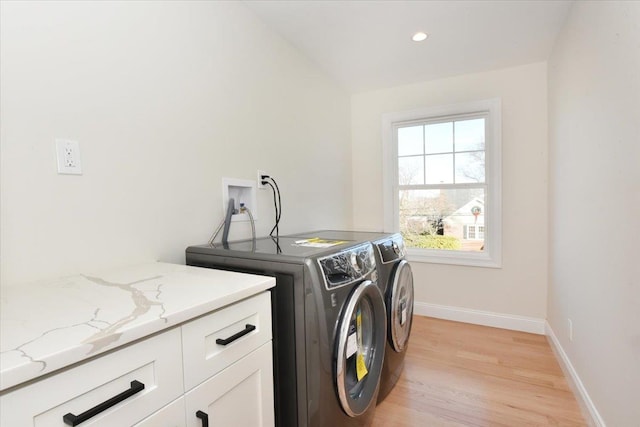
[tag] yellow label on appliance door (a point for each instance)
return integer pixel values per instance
(361, 366)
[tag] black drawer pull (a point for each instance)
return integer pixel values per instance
(232, 338)
(204, 417)
(74, 420)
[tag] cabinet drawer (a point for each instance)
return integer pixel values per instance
(205, 354)
(151, 362)
(240, 395)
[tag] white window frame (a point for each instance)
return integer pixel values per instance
(491, 256)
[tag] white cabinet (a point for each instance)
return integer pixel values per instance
(150, 363)
(215, 341)
(226, 357)
(228, 353)
(236, 396)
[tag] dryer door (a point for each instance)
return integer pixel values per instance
(400, 306)
(360, 344)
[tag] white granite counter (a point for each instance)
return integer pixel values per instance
(48, 325)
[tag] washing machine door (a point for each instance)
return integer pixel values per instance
(360, 344)
(400, 306)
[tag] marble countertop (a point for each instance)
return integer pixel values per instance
(52, 324)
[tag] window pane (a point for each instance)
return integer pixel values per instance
(411, 170)
(438, 219)
(470, 167)
(439, 169)
(472, 232)
(410, 141)
(470, 135)
(439, 138)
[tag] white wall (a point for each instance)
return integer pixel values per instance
(594, 117)
(519, 287)
(165, 99)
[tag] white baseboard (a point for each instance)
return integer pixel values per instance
(478, 317)
(588, 408)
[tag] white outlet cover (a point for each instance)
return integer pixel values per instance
(261, 186)
(68, 157)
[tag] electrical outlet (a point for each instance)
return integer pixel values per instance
(68, 157)
(570, 330)
(260, 184)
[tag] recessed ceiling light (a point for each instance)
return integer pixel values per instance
(420, 36)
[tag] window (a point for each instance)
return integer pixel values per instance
(470, 232)
(442, 182)
(474, 232)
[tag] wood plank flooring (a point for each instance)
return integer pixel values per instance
(457, 374)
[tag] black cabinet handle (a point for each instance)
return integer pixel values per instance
(234, 337)
(74, 420)
(204, 417)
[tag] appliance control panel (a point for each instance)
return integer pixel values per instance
(392, 249)
(348, 266)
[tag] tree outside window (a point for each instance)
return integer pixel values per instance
(441, 177)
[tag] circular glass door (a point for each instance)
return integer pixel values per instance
(360, 346)
(400, 306)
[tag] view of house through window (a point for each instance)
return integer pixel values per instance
(441, 183)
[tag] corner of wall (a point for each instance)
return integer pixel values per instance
(589, 410)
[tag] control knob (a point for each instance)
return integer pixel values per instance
(355, 262)
(396, 248)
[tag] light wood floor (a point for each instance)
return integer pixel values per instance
(458, 374)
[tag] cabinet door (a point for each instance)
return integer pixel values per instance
(240, 395)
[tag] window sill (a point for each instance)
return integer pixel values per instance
(470, 259)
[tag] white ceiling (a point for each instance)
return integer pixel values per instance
(366, 45)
